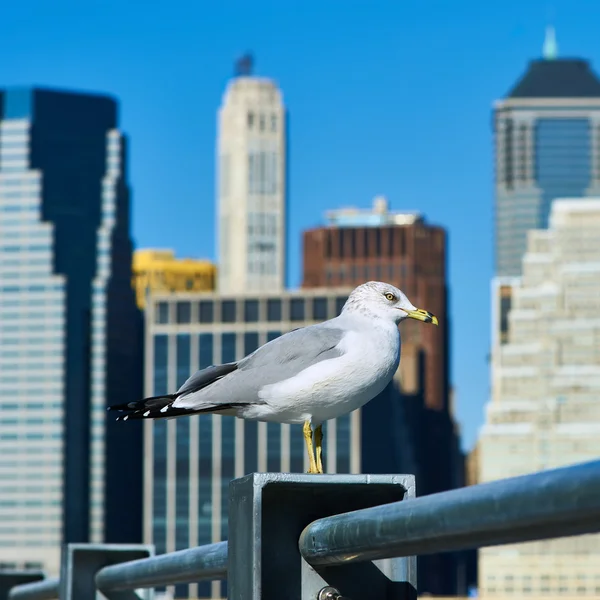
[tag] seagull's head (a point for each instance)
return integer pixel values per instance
(385, 301)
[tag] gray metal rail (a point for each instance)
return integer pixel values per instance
(549, 504)
(184, 566)
(39, 590)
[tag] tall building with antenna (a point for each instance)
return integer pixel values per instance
(547, 145)
(252, 184)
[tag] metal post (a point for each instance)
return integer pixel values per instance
(267, 514)
(81, 562)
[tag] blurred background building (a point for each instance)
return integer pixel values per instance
(547, 145)
(547, 132)
(252, 185)
(69, 326)
(544, 411)
(545, 361)
(159, 271)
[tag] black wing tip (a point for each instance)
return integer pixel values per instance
(158, 413)
(140, 403)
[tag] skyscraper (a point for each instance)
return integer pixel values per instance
(547, 145)
(252, 186)
(544, 411)
(70, 333)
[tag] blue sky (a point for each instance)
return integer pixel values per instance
(388, 98)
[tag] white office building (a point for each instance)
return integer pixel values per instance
(545, 406)
(251, 181)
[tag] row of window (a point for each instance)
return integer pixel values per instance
(367, 242)
(543, 589)
(351, 274)
(249, 311)
(26, 248)
(261, 121)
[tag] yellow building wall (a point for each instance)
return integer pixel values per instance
(160, 271)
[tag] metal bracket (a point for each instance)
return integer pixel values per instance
(267, 514)
(81, 562)
(10, 579)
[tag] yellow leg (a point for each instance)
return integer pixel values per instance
(319, 448)
(309, 446)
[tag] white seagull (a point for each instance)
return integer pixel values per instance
(309, 375)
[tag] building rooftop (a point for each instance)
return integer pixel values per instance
(557, 78)
(375, 217)
(553, 77)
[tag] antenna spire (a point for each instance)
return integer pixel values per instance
(244, 65)
(550, 48)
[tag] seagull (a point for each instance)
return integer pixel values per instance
(306, 376)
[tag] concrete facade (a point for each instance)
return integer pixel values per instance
(544, 411)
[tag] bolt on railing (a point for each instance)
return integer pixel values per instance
(295, 535)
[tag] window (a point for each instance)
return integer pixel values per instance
(272, 335)
(183, 358)
(261, 122)
(339, 304)
(206, 311)
(273, 309)
(250, 120)
(228, 311)
(319, 306)
(251, 311)
(250, 342)
(161, 351)
(162, 313)
(228, 347)
(273, 122)
(205, 350)
(297, 309)
(184, 312)
(250, 446)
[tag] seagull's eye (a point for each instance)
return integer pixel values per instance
(389, 296)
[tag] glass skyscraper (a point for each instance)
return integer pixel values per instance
(70, 332)
(547, 146)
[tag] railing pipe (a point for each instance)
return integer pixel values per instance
(548, 504)
(184, 566)
(47, 589)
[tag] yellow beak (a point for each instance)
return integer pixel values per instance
(422, 315)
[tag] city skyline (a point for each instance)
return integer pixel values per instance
(353, 135)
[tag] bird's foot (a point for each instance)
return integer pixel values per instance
(315, 470)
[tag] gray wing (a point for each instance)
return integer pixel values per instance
(278, 360)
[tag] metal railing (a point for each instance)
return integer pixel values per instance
(278, 549)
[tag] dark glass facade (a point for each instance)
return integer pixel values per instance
(69, 146)
(563, 152)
